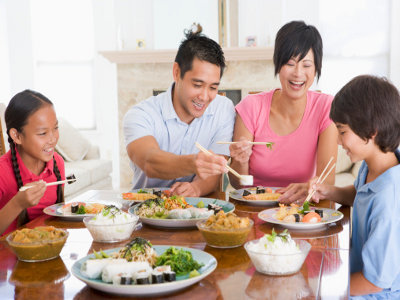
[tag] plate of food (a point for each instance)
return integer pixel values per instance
(141, 269)
(77, 210)
(179, 211)
(140, 195)
(258, 196)
(300, 217)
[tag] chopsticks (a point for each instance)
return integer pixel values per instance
(268, 144)
(25, 187)
(201, 148)
(321, 178)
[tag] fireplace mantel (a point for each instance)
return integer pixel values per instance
(168, 56)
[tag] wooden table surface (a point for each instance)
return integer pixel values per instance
(324, 275)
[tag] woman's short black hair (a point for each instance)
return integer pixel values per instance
(197, 45)
(294, 39)
(370, 105)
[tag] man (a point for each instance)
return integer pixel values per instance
(160, 132)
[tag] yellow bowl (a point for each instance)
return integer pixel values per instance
(41, 250)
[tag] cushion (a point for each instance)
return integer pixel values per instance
(343, 163)
(97, 169)
(72, 145)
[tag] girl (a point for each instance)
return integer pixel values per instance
(32, 130)
(366, 112)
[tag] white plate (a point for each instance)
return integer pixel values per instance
(55, 210)
(209, 261)
(238, 196)
(182, 223)
(330, 216)
(143, 189)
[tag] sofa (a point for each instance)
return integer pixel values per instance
(83, 160)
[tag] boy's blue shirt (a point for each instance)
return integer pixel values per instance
(375, 243)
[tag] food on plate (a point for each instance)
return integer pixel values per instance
(175, 207)
(277, 254)
(81, 208)
(225, 230)
(263, 196)
(138, 196)
(294, 214)
(137, 263)
(181, 261)
(37, 244)
(111, 225)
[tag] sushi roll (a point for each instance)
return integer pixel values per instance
(74, 208)
(157, 193)
(311, 217)
(142, 276)
(295, 218)
(260, 190)
(216, 208)
(246, 193)
(157, 277)
(320, 212)
(169, 276)
(122, 278)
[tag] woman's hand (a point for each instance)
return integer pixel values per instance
(31, 196)
(209, 165)
(241, 151)
(187, 189)
(294, 192)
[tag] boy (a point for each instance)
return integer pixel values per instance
(366, 112)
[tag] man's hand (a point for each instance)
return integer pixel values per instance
(210, 165)
(187, 189)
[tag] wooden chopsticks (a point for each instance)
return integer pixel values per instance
(253, 143)
(201, 148)
(322, 178)
(25, 187)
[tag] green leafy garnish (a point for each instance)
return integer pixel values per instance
(181, 261)
(284, 235)
(81, 210)
(269, 145)
(306, 207)
(100, 255)
(142, 191)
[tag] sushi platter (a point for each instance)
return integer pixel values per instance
(239, 195)
(180, 222)
(149, 289)
(66, 210)
(329, 216)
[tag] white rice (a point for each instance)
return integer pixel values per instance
(278, 257)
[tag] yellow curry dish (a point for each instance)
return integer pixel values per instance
(225, 230)
(37, 244)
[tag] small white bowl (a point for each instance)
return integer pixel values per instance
(278, 264)
(246, 180)
(111, 233)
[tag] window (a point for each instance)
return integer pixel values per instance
(63, 43)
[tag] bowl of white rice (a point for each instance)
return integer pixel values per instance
(277, 254)
(111, 225)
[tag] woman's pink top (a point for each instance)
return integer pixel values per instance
(9, 187)
(293, 156)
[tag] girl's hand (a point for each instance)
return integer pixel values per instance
(322, 191)
(187, 189)
(209, 165)
(31, 196)
(294, 192)
(241, 151)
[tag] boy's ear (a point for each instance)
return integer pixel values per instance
(15, 136)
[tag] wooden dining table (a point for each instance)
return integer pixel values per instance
(324, 274)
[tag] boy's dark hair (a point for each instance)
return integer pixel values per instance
(294, 39)
(197, 45)
(370, 105)
(20, 108)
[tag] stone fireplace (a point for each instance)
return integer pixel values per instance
(143, 72)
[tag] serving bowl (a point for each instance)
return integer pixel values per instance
(278, 264)
(112, 232)
(224, 237)
(38, 244)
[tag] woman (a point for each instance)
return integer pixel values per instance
(294, 118)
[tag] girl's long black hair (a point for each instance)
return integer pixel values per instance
(20, 108)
